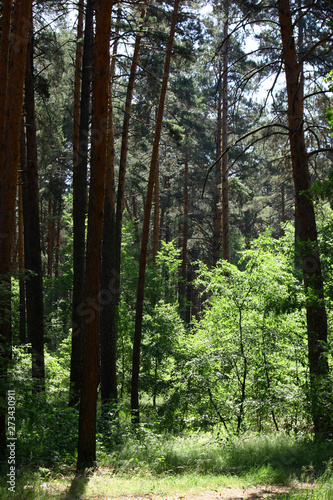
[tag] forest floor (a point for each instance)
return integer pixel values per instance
(234, 492)
(231, 493)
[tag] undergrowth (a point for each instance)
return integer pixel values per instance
(149, 462)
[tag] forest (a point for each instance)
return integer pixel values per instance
(166, 249)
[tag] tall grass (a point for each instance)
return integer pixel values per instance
(204, 453)
(146, 463)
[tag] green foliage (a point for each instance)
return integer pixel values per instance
(164, 339)
(273, 458)
(247, 361)
(241, 366)
(46, 427)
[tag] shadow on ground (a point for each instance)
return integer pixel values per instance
(78, 486)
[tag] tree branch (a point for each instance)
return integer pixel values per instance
(248, 134)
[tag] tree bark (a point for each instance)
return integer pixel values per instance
(320, 391)
(217, 187)
(4, 54)
(110, 280)
(9, 161)
(80, 162)
(57, 240)
(183, 270)
(32, 246)
(77, 84)
(146, 223)
(156, 229)
(224, 162)
(23, 164)
(50, 238)
(92, 297)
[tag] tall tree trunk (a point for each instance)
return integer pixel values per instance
(217, 186)
(57, 240)
(9, 161)
(23, 165)
(50, 238)
(320, 391)
(136, 221)
(110, 280)
(4, 55)
(90, 325)
(224, 165)
(146, 223)
(156, 229)
(32, 246)
(183, 270)
(77, 83)
(80, 162)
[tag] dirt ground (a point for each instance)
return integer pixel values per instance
(255, 492)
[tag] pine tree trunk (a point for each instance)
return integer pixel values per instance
(217, 187)
(77, 84)
(156, 229)
(146, 223)
(9, 161)
(57, 243)
(32, 246)
(183, 270)
(92, 298)
(224, 165)
(110, 280)
(23, 165)
(320, 391)
(136, 221)
(80, 162)
(4, 54)
(50, 238)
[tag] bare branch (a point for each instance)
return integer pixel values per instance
(248, 134)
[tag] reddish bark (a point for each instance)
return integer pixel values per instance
(4, 54)
(92, 298)
(112, 239)
(9, 161)
(307, 231)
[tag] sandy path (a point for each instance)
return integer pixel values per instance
(255, 492)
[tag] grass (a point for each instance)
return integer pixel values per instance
(184, 465)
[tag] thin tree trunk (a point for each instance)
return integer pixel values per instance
(42, 224)
(156, 229)
(146, 223)
(136, 220)
(32, 246)
(183, 270)
(80, 208)
(224, 165)
(242, 377)
(23, 165)
(77, 84)
(320, 391)
(9, 161)
(57, 242)
(92, 297)
(50, 238)
(217, 187)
